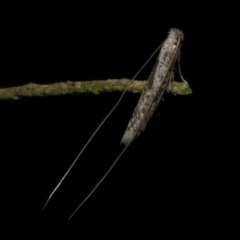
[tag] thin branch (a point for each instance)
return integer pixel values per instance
(95, 87)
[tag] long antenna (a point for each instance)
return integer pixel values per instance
(91, 137)
(100, 181)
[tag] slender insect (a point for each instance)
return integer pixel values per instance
(158, 81)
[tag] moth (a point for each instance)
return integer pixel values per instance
(158, 81)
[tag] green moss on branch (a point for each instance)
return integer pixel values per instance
(95, 87)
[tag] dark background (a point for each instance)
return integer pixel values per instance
(179, 179)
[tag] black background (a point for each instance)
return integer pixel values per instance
(179, 179)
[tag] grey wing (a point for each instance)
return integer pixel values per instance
(144, 110)
(140, 117)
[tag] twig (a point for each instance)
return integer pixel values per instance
(95, 87)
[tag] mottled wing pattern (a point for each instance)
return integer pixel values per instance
(157, 83)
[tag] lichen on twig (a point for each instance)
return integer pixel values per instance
(79, 87)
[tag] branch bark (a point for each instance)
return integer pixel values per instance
(79, 87)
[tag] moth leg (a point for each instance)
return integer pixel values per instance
(179, 68)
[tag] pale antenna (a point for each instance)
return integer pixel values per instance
(94, 133)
